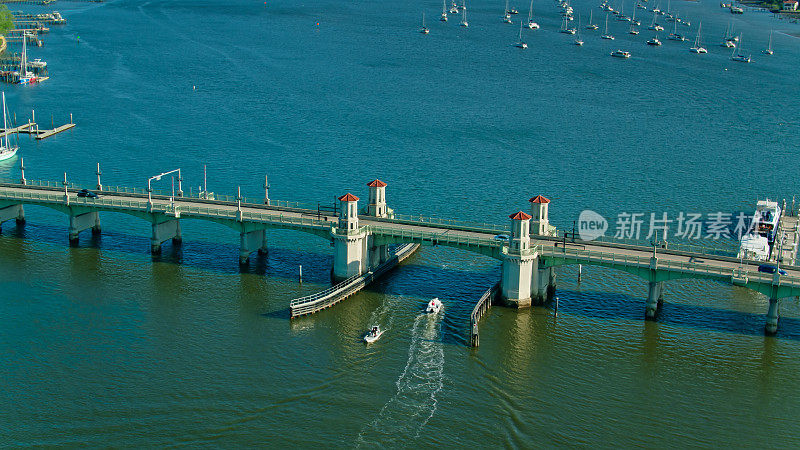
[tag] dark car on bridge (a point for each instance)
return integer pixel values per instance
(767, 268)
(87, 194)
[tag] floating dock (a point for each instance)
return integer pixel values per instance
(329, 297)
(33, 129)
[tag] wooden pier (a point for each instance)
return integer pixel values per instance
(480, 309)
(786, 241)
(33, 129)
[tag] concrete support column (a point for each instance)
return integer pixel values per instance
(771, 326)
(378, 254)
(516, 279)
(12, 212)
(250, 242)
(81, 222)
(349, 258)
(164, 229)
(551, 284)
(655, 291)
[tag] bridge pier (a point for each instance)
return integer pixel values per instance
(249, 242)
(516, 281)
(655, 298)
(164, 227)
(771, 327)
(350, 243)
(378, 254)
(81, 222)
(12, 212)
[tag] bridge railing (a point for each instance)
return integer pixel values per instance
(429, 220)
(665, 264)
(434, 237)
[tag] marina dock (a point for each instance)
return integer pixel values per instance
(32, 128)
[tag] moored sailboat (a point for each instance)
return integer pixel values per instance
(697, 48)
(7, 151)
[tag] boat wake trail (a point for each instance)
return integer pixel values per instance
(405, 415)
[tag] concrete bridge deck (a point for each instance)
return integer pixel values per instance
(251, 219)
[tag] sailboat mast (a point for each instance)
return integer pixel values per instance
(530, 15)
(5, 121)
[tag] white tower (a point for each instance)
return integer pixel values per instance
(349, 241)
(541, 219)
(520, 233)
(519, 263)
(377, 198)
(348, 214)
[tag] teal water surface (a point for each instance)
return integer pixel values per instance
(103, 344)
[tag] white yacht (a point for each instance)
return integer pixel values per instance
(737, 54)
(654, 42)
(768, 50)
(697, 48)
(520, 43)
(620, 54)
(605, 33)
(7, 151)
(424, 29)
(592, 25)
(759, 240)
(444, 11)
(434, 306)
(464, 22)
(531, 24)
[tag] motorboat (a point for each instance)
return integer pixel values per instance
(620, 54)
(373, 334)
(434, 306)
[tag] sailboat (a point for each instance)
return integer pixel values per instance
(654, 26)
(464, 22)
(578, 40)
(591, 26)
(6, 150)
(25, 75)
(454, 9)
(506, 15)
(769, 51)
(444, 11)
(633, 30)
(728, 40)
(605, 33)
(654, 42)
(674, 35)
(520, 43)
(531, 24)
(565, 28)
(424, 29)
(697, 48)
(633, 19)
(737, 55)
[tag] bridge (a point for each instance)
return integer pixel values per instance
(528, 252)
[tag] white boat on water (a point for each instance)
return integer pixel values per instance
(531, 24)
(605, 32)
(424, 29)
(737, 54)
(464, 22)
(25, 75)
(373, 334)
(592, 25)
(444, 11)
(654, 42)
(7, 150)
(697, 48)
(520, 43)
(759, 240)
(768, 50)
(434, 306)
(620, 54)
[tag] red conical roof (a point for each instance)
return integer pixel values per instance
(519, 216)
(348, 198)
(376, 183)
(539, 199)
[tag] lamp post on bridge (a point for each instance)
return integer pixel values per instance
(158, 178)
(22, 171)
